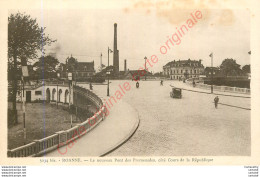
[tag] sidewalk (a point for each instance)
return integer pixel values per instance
(189, 87)
(112, 132)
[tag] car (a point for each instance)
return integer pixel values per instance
(176, 93)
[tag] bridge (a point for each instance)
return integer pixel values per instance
(60, 93)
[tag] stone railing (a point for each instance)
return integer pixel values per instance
(62, 138)
(221, 88)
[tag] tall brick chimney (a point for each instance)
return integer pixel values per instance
(125, 66)
(116, 52)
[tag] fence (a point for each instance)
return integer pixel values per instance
(61, 138)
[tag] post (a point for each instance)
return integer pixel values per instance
(57, 94)
(24, 127)
(70, 83)
(70, 108)
(211, 55)
(108, 74)
(76, 99)
(145, 67)
(101, 62)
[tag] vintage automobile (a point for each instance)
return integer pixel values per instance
(176, 93)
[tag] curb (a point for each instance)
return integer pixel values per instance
(125, 139)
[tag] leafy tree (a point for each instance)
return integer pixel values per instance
(229, 67)
(25, 40)
(246, 69)
(46, 66)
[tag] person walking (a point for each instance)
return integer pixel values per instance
(90, 86)
(216, 100)
(137, 84)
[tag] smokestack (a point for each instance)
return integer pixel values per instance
(115, 37)
(125, 67)
(116, 52)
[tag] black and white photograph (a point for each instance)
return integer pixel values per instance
(154, 81)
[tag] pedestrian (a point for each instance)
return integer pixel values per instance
(137, 84)
(216, 99)
(161, 82)
(90, 86)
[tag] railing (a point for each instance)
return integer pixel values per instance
(61, 138)
(222, 88)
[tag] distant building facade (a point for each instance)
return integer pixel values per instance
(183, 69)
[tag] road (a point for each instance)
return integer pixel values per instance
(188, 126)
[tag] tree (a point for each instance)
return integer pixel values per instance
(46, 66)
(246, 69)
(25, 40)
(229, 67)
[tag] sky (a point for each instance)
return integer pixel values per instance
(142, 29)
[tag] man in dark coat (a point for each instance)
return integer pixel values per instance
(216, 100)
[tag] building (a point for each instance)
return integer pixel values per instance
(183, 69)
(216, 72)
(81, 70)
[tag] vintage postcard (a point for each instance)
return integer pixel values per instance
(130, 82)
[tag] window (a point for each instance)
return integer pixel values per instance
(38, 92)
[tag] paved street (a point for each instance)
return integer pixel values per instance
(187, 126)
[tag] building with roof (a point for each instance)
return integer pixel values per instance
(78, 69)
(183, 69)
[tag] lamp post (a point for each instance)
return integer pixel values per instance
(70, 83)
(24, 127)
(76, 99)
(145, 58)
(108, 72)
(58, 76)
(211, 55)
(25, 73)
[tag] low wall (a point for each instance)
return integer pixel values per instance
(62, 138)
(221, 88)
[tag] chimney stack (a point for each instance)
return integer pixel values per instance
(125, 66)
(115, 52)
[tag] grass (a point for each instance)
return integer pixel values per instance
(42, 120)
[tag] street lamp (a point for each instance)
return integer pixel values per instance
(76, 95)
(145, 58)
(108, 72)
(70, 82)
(58, 76)
(211, 55)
